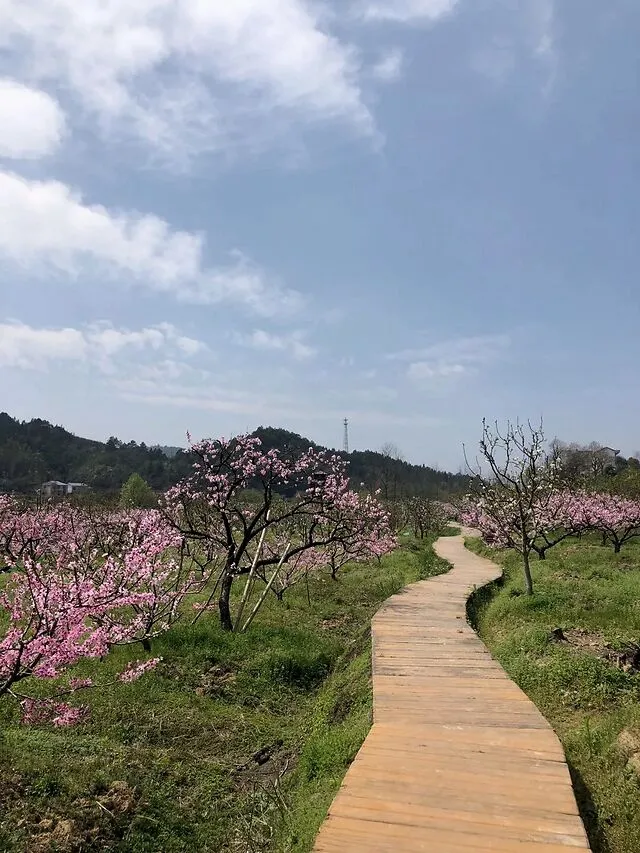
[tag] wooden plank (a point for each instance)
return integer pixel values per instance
(458, 758)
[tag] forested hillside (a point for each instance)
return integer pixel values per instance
(394, 477)
(36, 451)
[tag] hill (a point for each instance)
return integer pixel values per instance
(36, 451)
(394, 477)
(32, 452)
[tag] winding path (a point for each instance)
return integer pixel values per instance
(458, 759)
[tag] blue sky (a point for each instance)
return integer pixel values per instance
(413, 213)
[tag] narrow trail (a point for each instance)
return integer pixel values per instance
(458, 758)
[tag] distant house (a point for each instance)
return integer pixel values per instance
(594, 460)
(77, 488)
(605, 460)
(53, 488)
(57, 489)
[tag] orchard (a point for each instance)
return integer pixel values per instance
(77, 582)
(523, 501)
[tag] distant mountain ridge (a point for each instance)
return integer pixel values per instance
(33, 452)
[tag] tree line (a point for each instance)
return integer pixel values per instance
(36, 451)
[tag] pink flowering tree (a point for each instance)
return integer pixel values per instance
(136, 548)
(615, 517)
(232, 504)
(556, 521)
(55, 622)
(553, 524)
(514, 489)
(284, 576)
(425, 516)
(397, 513)
(30, 533)
(564, 514)
(371, 538)
(77, 586)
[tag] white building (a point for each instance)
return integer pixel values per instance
(55, 488)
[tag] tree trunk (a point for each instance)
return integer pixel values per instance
(617, 547)
(527, 572)
(226, 622)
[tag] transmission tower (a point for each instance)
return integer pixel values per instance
(346, 435)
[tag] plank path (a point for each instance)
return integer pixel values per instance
(458, 758)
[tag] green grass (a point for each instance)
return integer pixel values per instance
(165, 764)
(584, 587)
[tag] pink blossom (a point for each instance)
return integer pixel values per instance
(60, 714)
(79, 584)
(135, 671)
(323, 515)
(69, 715)
(80, 683)
(555, 516)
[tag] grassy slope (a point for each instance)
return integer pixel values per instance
(298, 683)
(588, 700)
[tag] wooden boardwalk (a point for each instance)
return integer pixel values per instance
(458, 759)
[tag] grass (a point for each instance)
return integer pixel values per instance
(235, 743)
(593, 595)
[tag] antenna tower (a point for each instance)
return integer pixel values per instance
(346, 436)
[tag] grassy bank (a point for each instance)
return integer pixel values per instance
(584, 680)
(235, 743)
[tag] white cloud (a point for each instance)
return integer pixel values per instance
(428, 370)
(455, 357)
(389, 68)
(542, 15)
(292, 343)
(106, 342)
(523, 35)
(543, 39)
(46, 227)
(32, 123)
(406, 11)
(96, 345)
(111, 340)
(479, 348)
(188, 75)
(28, 348)
(261, 404)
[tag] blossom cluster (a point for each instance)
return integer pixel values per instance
(77, 585)
(80, 582)
(269, 512)
(560, 514)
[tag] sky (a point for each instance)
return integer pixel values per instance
(410, 213)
